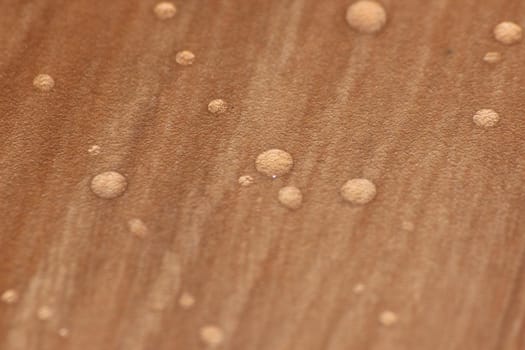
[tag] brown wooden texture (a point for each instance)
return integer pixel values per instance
(395, 108)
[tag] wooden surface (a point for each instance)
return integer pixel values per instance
(395, 108)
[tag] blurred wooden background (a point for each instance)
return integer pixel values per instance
(395, 108)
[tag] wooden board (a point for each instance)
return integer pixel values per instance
(395, 108)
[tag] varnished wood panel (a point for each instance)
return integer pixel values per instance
(395, 108)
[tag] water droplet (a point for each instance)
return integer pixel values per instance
(109, 184)
(43, 82)
(10, 296)
(212, 335)
(94, 150)
(366, 16)
(291, 197)
(358, 191)
(245, 180)
(359, 288)
(186, 300)
(486, 118)
(138, 228)
(274, 162)
(63, 332)
(387, 318)
(44, 313)
(217, 106)
(508, 33)
(185, 58)
(165, 10)
(492, 57)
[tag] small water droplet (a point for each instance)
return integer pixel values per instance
(492, 57)
(486, 118)
(274, 162)
(109, 184)
(63, 332)
(43, 82)
(138, 228)
(212, 335)
(359, 288)
(291, 197)
(185, 58)
(366, 16)
(10, 296)
(186, 300)
(508, 33)
(388, 318)
(165, 10)
(217, 106)
(245, 180)
(94, 150)
(44, 313)
(358, 191)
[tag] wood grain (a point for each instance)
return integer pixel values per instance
(395, 108)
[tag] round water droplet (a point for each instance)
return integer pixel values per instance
(185, 58)
(217, 106)
(212, 335)
(291, 197)
(165, 10)
(366, 16)
(387, 318)
(43, 82)
(138, 228)
(109, 184)
(10, 296)
(44, 313)
(186, 300)
(508, 33)
(274, 162)
(358, 191)
(486, 118)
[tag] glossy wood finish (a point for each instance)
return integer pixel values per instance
(395, 108)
